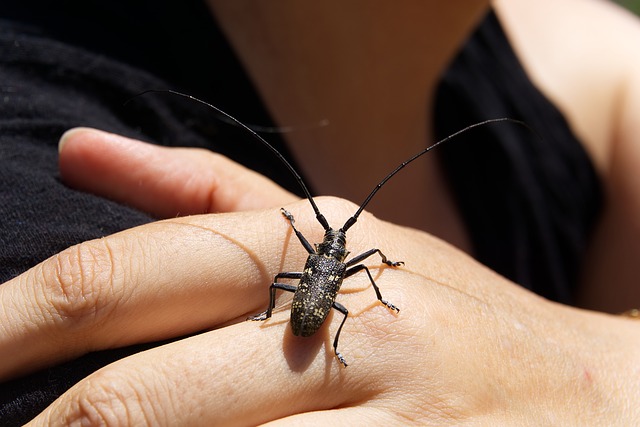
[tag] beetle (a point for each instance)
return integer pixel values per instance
(326, 266)
(320, 281)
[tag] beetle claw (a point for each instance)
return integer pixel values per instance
(395, 263)
(341, 359)
(390, 306)
(258, 317)
(287, 215)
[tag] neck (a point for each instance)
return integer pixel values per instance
(369, 69)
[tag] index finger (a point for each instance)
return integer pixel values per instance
(163, 181)
(152, 282)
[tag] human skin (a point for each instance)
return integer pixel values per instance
(468, 347)
(370, 68)
(582, 54)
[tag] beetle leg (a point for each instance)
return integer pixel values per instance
(342, 309)
(272, 298)
(360, 267)
(287, 275)
(370, 252)
(299, 235)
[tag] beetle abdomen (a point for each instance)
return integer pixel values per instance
(316, 292)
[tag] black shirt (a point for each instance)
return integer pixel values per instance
(529, 199)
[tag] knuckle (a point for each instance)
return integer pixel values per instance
(110, 400)
(337, 204)
(79, 282)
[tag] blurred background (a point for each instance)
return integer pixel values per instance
(633, 5)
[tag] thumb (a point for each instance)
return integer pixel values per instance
(166, 182)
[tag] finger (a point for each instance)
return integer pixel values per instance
(260, 371)
(165, 182)
(247, 374)
(156, 281)
(233, 376)
(184, 383)
(350, 416)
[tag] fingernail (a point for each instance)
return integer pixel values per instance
(68, 135)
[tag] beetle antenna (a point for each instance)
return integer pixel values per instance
(402, 165)
(321, 219)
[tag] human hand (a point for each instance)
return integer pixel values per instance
(466, 347)
(165, 182)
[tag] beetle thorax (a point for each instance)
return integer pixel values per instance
(333, 245)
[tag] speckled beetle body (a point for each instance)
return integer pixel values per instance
(320, 282)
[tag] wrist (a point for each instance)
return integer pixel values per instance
(584, 371)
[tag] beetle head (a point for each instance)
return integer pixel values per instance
(333, 245)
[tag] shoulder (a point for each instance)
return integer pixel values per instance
(581, 54)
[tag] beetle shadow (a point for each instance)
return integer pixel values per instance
(361, 283)
(300, 352)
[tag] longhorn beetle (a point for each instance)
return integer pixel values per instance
(325, 268)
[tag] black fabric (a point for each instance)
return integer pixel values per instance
(176, 41)
(529, 201)
(63, 65)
